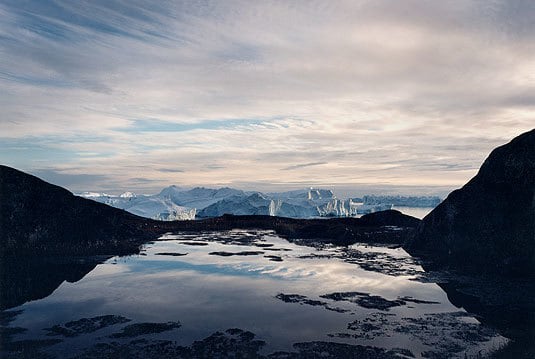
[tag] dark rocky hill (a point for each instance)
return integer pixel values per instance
(39, 218)
(489, 224)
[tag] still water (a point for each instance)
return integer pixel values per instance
(186, 287)
(418, 212)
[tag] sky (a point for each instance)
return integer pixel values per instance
(370, 96)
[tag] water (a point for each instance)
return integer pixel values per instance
(257, 282)
(418, 212)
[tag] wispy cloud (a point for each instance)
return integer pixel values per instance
(303, 165)
(347, 92)
(170, 170)
(70, 180)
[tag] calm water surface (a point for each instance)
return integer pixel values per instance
(418, 212)
(258, 282)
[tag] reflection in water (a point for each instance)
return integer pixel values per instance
(187, 293)
(26, 279)
(418, 212)
(504, 303)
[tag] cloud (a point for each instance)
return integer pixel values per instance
(405, 93)
(214, 167)
(295, 167)
(70, 180)
(142, 180)
(171, 170)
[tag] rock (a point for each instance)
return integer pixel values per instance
(489, 224)
(85, 325)
(139, 329)
(389, 217)
(37, 217)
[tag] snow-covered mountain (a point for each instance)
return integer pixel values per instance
(175, 203)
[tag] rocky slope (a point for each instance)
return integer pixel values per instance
(39, 218)
(489, 224)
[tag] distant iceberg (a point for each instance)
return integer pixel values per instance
(175, 203)
(155, 207)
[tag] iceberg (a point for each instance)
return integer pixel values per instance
(154, 207)
(176, 203)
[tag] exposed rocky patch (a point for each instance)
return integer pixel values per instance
(85, 325)
(417, 301)
(379, 262)
(172, 254)
(364, 300)
(338, 350)
(300, 299)
(229, 254)
(383, 263)
(449, 334)
(136, 349)
(317, 256)
(239, 238)
(446, 332)
(137, 329)
(374, 325)
(277, 249)
(194, 243)
(274, 258)
(234, 343)
(263, 245)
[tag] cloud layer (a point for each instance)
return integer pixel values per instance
(263, 94)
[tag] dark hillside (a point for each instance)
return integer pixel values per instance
(40, 218)
(489, 224)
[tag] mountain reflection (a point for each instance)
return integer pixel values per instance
(23, 279)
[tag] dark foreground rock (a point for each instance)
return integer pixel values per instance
(38, 217)
(489, 224)
(485, 233)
